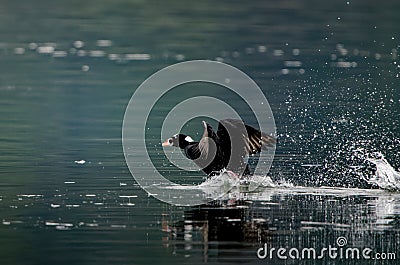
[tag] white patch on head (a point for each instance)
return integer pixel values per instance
(189, 139)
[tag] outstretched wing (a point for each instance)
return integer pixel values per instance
(243, 139)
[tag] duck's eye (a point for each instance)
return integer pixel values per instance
(170, 141)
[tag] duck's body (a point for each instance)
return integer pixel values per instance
(224, 149)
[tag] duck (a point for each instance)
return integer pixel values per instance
(224, 149)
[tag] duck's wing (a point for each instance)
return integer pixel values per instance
(208, 141)
(245, 139)
(192, 151)
(205, 146)
(205, 152)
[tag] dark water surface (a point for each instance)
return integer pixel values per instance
(330, 71)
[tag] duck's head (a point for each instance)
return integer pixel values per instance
(178, 140)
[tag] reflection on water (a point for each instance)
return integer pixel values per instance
(235, 230)
(329, 70)
(230, 230)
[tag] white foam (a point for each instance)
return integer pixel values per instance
(50, 223)
(19, 50)
(97, 53)
(104, 43)
(127, 204)
(114, 56)
(127, 196)
(30, 195)
(78, 44)
(72, 205)
(229, 184)
(62, 227)
(137, 57)
(92, 225)
(386, 177)
(69, 182)
(311, 165)
(45, 49)
(60, 54)
(118, 226)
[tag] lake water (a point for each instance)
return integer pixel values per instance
(330, 72)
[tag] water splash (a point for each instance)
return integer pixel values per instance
(219, 184)
(386, 177)
(226, 185)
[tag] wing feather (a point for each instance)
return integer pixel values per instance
(247, 140)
